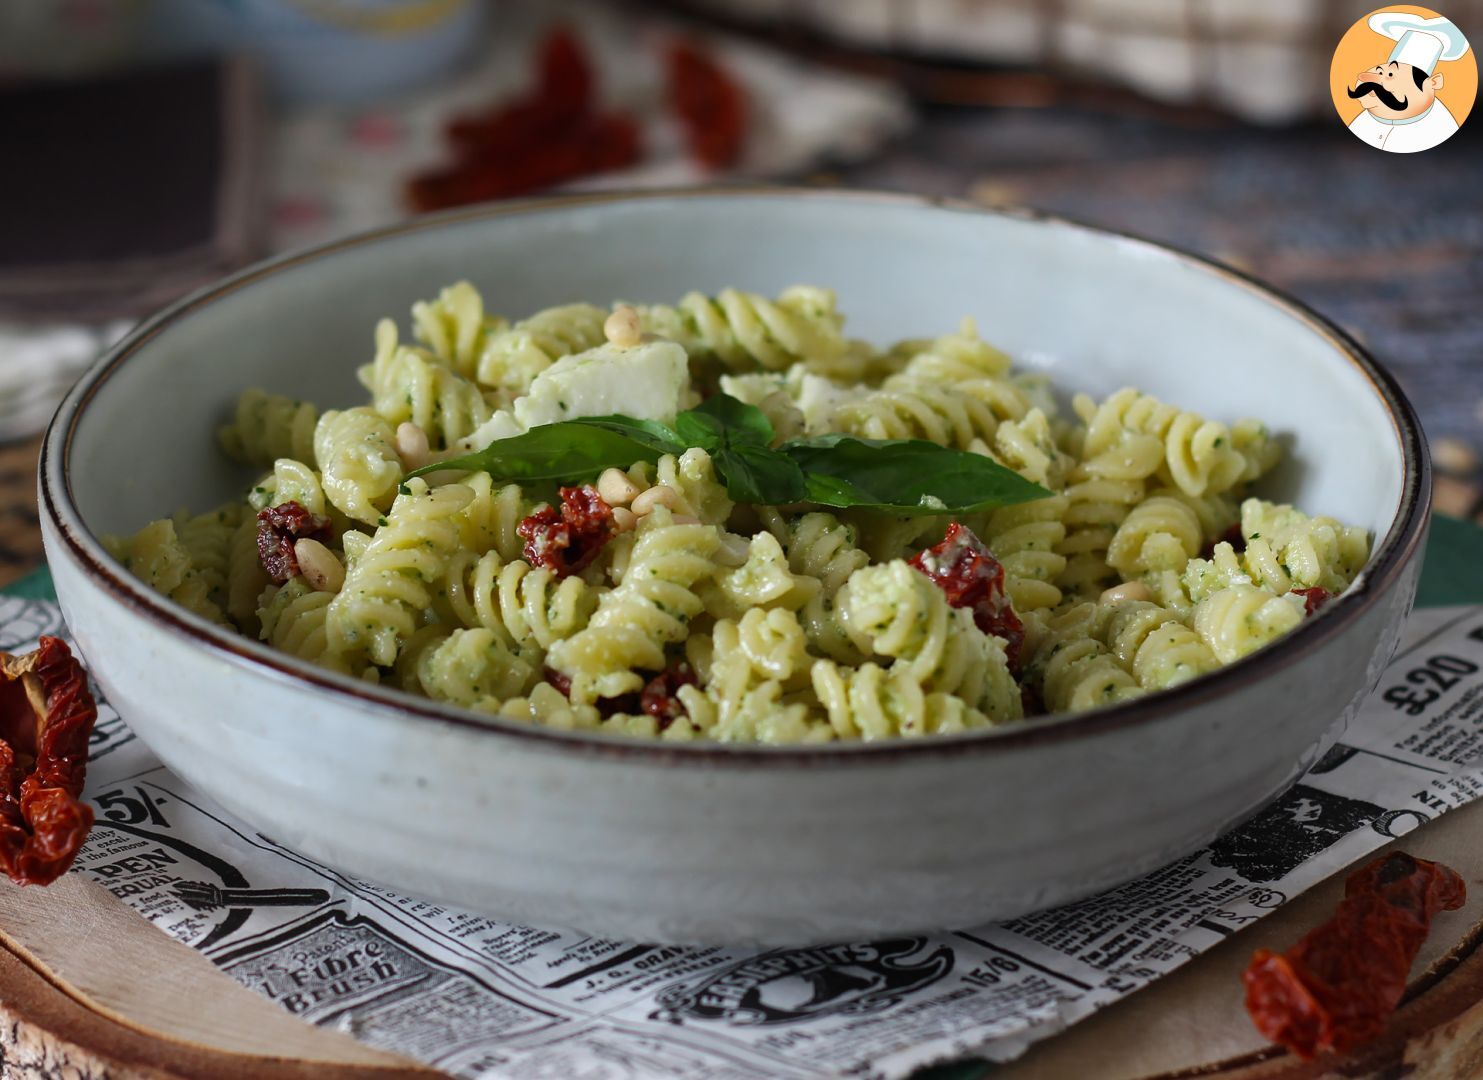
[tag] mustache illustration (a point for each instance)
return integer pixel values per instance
(1389, 100)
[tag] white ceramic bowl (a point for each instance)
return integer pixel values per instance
(718, 843)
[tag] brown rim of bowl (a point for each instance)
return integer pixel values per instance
(1386, 560)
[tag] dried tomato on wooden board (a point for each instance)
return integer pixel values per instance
(567, 540)
(277, 529)
(1313, 598)
(47, 714)
(967, 572)
(710, 104)
(1336, 988)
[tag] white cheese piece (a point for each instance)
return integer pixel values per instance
(641, 381)
(819, 397)
(499, 426)
(647, 382)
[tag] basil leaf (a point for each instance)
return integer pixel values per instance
(743, 424)
(905, 476)
(757, 474)
(569, 452)
(699, 429)
(660, 436)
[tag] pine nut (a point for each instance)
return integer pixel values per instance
(622, 326)
(733, 550)
(318, 565)
(684, 519)
(1128, 590)
(616, 488)
(658, 495)
(412, 445)
(624, 519)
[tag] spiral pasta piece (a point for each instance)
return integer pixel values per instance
(547, 707)
(1241, 619)
(294, 620)
(891, 610)
(1160, 533)
(1028, 446)
(207, 539)
(491, 520)
(1153, 644)
(954, 358)
(821, 547)
(454, 326)
(268, 426)
(1026, 539)
(157, 557)
(473, 668)
(359, 465)
(744, 330)
(650, 609)
(408, 385)
(290, 481)
(953, 415)
(871, 702)
(1096, 507)
(389, 587)
(764, 580)
(528, 609)
(1285, 548)
(246, 578)
(1200, 456)
(512, 358)
(1073, 669)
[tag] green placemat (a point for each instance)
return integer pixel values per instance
(1453, 574)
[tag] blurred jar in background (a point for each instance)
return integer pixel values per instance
(306, 50)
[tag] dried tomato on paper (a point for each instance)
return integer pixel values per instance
(967, 572)
(553, 132)
(567, 540)
(711, 105)
(1336, 988)
(277, 529)
(47, 714)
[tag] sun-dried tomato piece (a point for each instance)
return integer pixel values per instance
(624, 703)
(1313, 598)
(47, 714)
(1335, 989)
(567, 540)
(552, 133)
(1231, 536)
(558, 680)
(659, 698)
(277, 529)
(711, 104)
(969, 575)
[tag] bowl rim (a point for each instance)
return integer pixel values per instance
(1389, 556)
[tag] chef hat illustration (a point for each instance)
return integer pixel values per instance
(1420, 42)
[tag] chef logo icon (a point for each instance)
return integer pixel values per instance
(1404, 79)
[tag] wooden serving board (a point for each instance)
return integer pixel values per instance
(88, 990)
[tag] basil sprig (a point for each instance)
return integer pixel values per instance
(905, 477)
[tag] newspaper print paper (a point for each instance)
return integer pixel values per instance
(480, 998)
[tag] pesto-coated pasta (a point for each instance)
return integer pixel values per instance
(654, 599)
